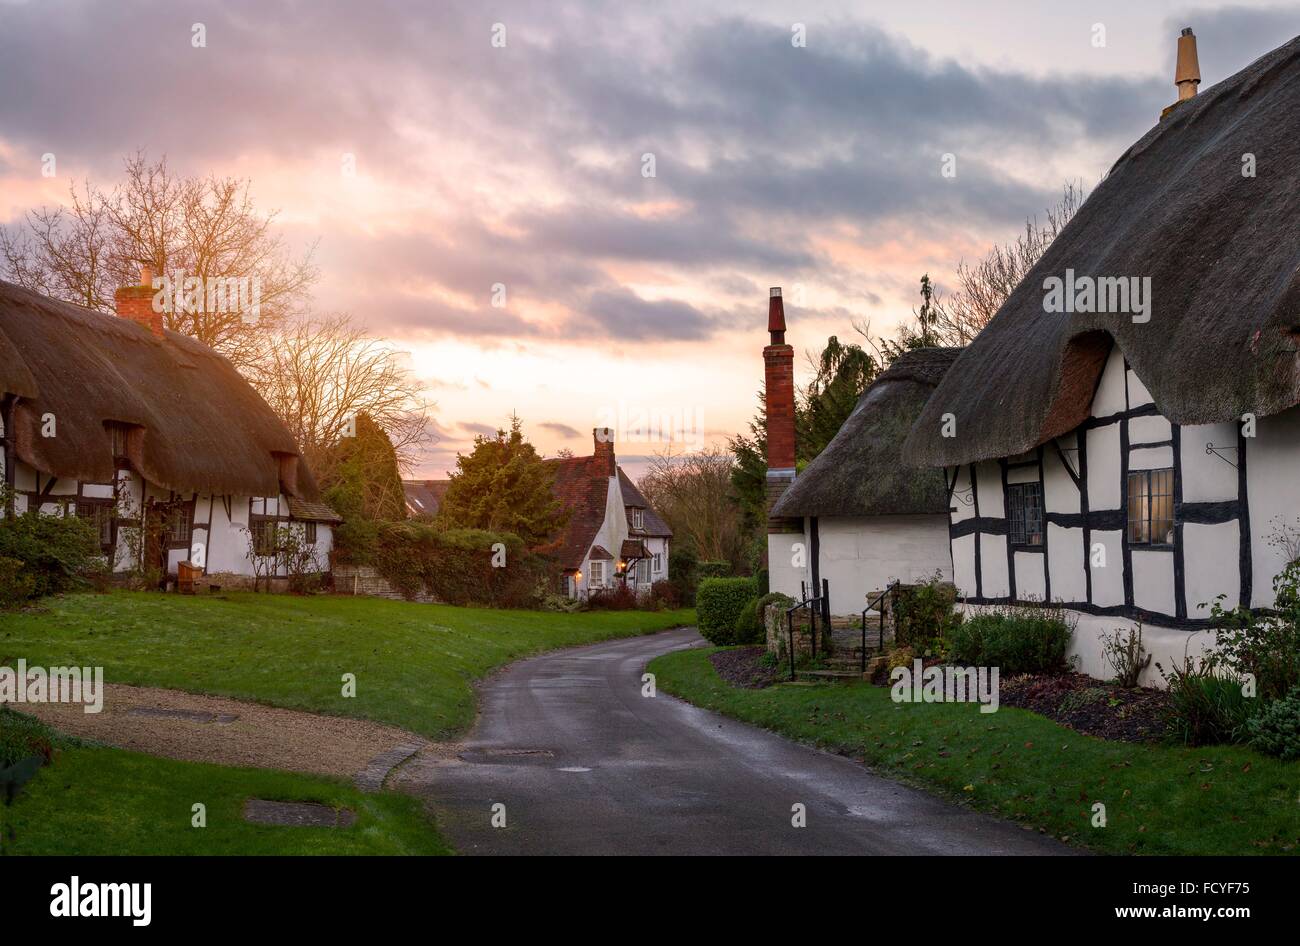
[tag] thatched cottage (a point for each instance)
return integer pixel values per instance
(115, 419)
(612, 536)
(1133, 453)
(856, 516)
(865, 517)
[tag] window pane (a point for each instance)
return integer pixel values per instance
(1162, 507)
(1139, 515)
(1025, 513)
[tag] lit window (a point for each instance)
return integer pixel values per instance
(1151, 507)
(1025, 513)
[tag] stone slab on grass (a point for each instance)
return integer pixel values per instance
(295, 814)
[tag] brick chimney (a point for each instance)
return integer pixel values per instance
(136, 303)
(778, 363)
(1187, 73)
(604, 440)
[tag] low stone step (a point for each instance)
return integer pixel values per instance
(830, 674)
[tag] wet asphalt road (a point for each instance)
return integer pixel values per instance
(584, 764)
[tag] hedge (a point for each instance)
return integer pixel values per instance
(718, 603)
(453, 565)
(714, 570)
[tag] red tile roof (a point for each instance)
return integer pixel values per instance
(582, 485)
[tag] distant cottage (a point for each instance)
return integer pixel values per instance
(424, 497)
(115, 419)
(613, 536)
(1135, 467)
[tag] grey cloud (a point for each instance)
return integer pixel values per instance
(561, 430)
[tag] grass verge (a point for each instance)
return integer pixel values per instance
(414, 663)
(91, 801)
(1021, 766)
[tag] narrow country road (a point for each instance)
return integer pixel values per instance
(584, 764)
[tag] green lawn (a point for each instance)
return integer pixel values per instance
(1159, 799)
(414, 663)
(92, 801)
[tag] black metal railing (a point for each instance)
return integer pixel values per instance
(822, 603)
(877, 602)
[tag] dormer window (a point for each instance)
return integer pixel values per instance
(118, 433)
(638, 518)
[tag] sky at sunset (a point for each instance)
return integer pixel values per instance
(630, 300)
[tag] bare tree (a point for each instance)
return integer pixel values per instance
(694, 495)
(185, 228)
(983, 287)
(320, 373)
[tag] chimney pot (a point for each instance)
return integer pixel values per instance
(146, 275)
(1187, 74)
(776, 316)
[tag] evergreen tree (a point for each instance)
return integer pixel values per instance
(362, 479)
(504, 485)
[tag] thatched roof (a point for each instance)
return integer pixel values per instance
(1221, 251)
(197, 425)
(861, 472)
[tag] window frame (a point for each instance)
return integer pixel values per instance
(261, 526)
(638, 518)
(594, 566)
(99, 507)
(1014, 498)
(1150, 493)
(181, 513)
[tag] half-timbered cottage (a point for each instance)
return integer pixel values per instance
(1137, 455)
(153, 437)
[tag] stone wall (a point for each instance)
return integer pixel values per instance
(366, 580)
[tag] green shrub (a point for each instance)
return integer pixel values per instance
(1265, 646)
(454, 565)
(1206, 706)
(718, 602)
(923, 614)
(57, 554)
(713, 570)
(749, 625)
(683, 568)
(1276, 729)
(1015, 641)
(16, 584)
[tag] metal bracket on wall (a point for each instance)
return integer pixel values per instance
(964, 496)
(1211, 448)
